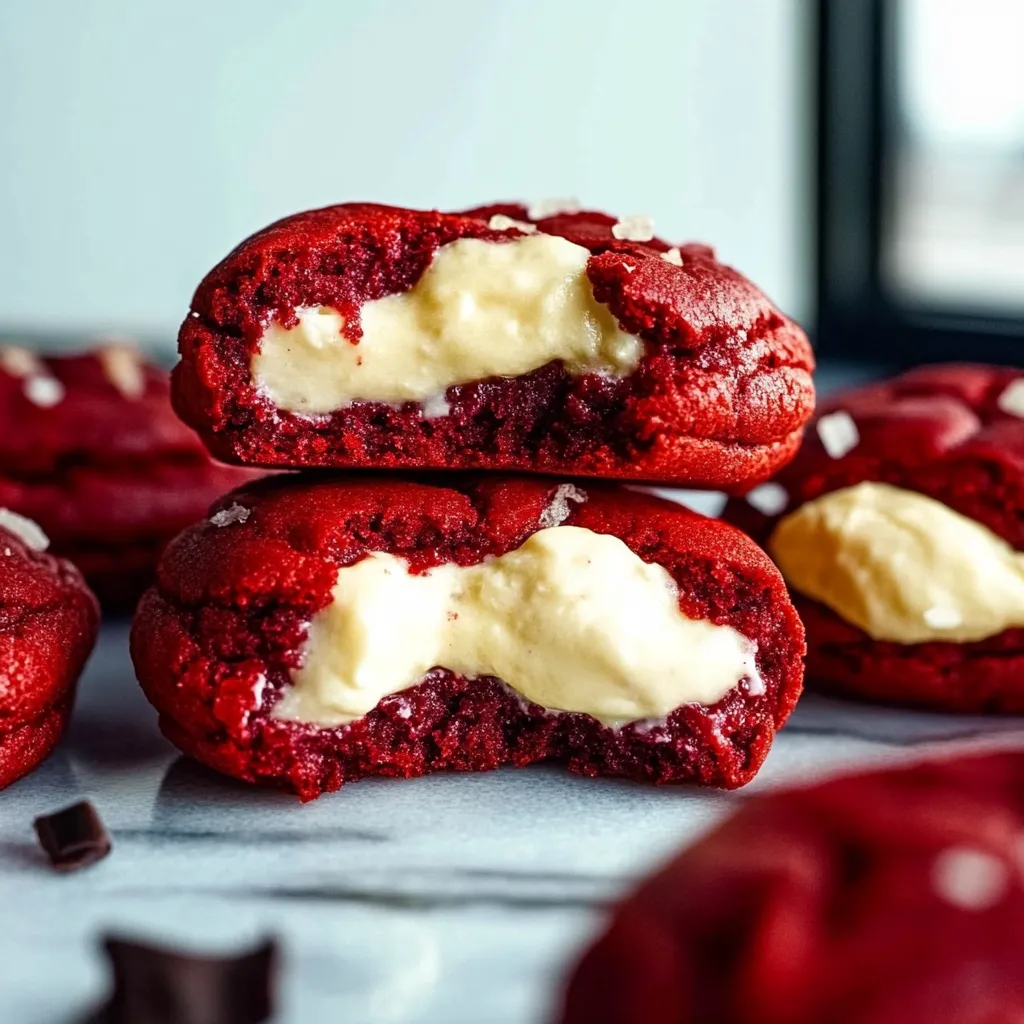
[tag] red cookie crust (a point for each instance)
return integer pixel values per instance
(110, 478)
(852, 902)
(719, 399)
(48, 624)
(214, 640)
(937, 430)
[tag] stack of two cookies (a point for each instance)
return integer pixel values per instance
(319, 627)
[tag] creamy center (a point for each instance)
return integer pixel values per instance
(482, 309)
(573, 620)
(900, 566)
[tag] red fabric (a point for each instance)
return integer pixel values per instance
(48, 623)
(719, 399)
(229, 614)
(109, 478)
(826, 904)
(937, 430)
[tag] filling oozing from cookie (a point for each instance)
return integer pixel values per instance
(900, 566)
(481, 309)
(572, 620)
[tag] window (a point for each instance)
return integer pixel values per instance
(921, 179)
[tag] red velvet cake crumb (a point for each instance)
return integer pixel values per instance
(214, 641)
(48, 624)
(949, 432)
(884, 898)
(102, 464)
(718, 399)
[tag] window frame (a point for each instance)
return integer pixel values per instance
(856, 120)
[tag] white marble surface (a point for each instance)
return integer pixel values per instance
(445, 900)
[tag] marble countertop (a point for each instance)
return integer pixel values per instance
(453, 899)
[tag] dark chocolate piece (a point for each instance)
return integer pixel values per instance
(74, 837)
(161, 986)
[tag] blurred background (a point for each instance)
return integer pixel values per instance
(862, 161)
(141, 139)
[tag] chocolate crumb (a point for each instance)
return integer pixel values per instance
(74, 837)
(161, 986)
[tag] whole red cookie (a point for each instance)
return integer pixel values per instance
(585, 625)
(955, 433)
(92, 451)
(47, 629)
(372, 336)
(882, 898)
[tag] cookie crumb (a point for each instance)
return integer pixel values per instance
(838, 433)
(673, 256)
(1011, 401)
(122, 366)
(499, 222)
(20, 362)
(552, 208)
(45, 392)
(968, 878)
(558, 510)
(24, 528)
(636, 228)
(226, 516)
(769, 498)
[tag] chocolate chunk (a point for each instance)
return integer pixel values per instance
(161, 986)
(74, 837)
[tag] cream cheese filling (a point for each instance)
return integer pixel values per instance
(572, 620)
(481, 309)
(901, 566)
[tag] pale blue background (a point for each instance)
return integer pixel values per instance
(141, 139)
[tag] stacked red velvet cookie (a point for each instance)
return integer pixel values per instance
(899, 530)
(319, 628)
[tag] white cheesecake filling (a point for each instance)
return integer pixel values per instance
(481, 309)
(900, 566)
(572, 620)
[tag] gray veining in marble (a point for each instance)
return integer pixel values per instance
(445, 900)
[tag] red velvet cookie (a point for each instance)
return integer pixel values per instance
(673, 631)
(48, 623)
(92, 451)
(370, 336)
(885, 898)
(956, 434)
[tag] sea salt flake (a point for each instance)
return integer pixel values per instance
(45, 392)
(226, 516)
(1012, 399)
(943, 618)
(499, 222)
(552, 208)
(636, 228)
(968, 878)
(122, 366)
(769, 499)
(838, 433)
(558, 510)
(20, 362)
(673, 256)
(25, 528)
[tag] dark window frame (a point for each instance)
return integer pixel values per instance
(856, 111)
